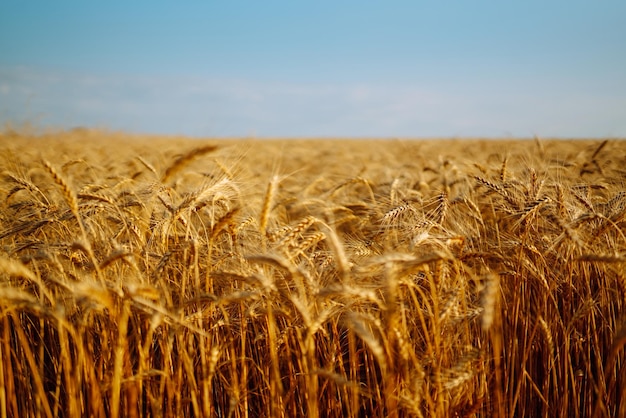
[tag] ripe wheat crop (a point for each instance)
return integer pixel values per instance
(168, 277)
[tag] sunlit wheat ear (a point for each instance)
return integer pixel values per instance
(480, 168)
(25, 184)
(449, 307)
(245, 223)
(355, 180)
(503, 172)
(268, 201)
(603, 258)
(391, 294)
(291, 272)
(72, 202)
(584, 200)
(394, 190)
(16, 269)
(95, 197)
(392, 215)
(147, 165)
(357, 323)
(339, 380)
(617, 203)
(489, 300)
(93, 296)
(18, 299)
(539, 144)
(442, 207)
(491, 186)
(343, 265)
(113, 257)
(561, 209)
(568, 231)
(300, 227)
(225, 223)
(276, 234)
(462, 371)
(213, 359)
(536, 185)
(352, 294)
(548, 336)
(310, 240)
(68, 193)
(185, 159)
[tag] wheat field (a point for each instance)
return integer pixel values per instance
(168, 277)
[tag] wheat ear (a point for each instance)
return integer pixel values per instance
(185, 159)
(72, 201)
(68, 193)
(267, 204)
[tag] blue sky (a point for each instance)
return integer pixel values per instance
(324, 68)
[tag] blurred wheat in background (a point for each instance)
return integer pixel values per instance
(170, 277)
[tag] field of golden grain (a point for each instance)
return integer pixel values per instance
(170, 277)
